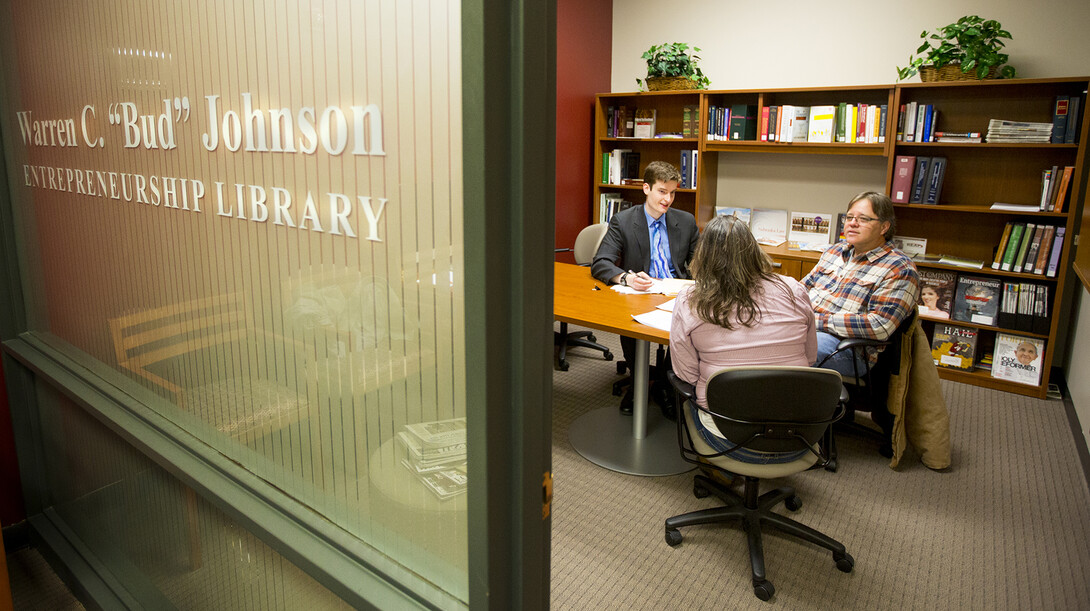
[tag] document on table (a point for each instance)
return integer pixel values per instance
(665, 286)
(667, 305)
(659, 319)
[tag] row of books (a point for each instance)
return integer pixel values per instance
(1014, 357)
(1055, 183)
(983, 300)
(688, 168)
(610, 204)
(918, 179)
(435, 453)
(1030, 248)
(1065, 119)
(846, 123)
(619, 165)
(916, 123)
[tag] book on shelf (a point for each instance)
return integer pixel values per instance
(903, 168)
(1041, 264)
(841, 133)
(973, 137)
(762, 132)
(936, 293)
(690, 121)
(913, 247)
(1047, 176)
(910, 122)
(644, 123)
(899, 136)
(923, 120)
(1059, 119)
(1018, 358)
(919, 180)
(769, 226)
(1031, 252)
(883, 112)
(935, 175)
(773, 123)
(998, 261)
(742, 214)
(822, 126)
(610, 204)
(1011, 251)
(954, 346)
(1024, 307)
(809, 230)
(1023, 247)
(800, 123)
(1057, 203)
(1014, 207)
(1071, 132)
(743, 122)
(1054, 256)
(976, 299)
(838, 232)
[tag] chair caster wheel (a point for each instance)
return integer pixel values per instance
(844, 562)
(831, 466)
(609, 356)
(592, 338)
(621, 367)
(673, 537)
(562, 365)
(763, 590)
(700, 492)
(793, 503)
(885, 450)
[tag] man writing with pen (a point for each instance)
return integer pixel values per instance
(643, 243)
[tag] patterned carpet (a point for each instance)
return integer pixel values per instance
(1007, 526)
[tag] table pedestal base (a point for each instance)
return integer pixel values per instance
(604, 437)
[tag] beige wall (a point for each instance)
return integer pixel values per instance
(798, 44)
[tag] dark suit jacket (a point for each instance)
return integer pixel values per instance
(627, 244)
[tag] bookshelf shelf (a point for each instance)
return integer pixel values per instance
(961, 323)
(977, 175)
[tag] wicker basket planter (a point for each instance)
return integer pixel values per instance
(670, 83)
(949, 72)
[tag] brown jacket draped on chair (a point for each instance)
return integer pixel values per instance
(915, 400)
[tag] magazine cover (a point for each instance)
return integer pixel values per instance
(742, 214)
(1018, 359)
(769, 226)
(976, 299)
(809, 230)
(936, 293)
(913, 247)
(954, 346)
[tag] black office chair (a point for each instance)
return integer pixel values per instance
(771, 409)
(586, 245)
(867, 390)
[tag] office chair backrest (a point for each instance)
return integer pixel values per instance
(586, 243)
(777, 404)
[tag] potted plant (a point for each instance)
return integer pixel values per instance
(968, 48)
(672, 66)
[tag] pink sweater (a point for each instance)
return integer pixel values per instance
(784, 335)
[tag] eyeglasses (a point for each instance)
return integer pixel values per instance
(862, 220)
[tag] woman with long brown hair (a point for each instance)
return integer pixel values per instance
(739, 312)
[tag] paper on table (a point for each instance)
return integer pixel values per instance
(666, 286)
(659, 319)
(667, 305)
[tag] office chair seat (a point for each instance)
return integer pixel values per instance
(743, 401)
(586, 245)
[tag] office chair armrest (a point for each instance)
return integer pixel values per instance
(851, 343)
(685, 390)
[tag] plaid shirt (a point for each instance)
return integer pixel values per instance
(866, 295)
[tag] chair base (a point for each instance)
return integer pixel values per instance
(753, 510)
(562, 339)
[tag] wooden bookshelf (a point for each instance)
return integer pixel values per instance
(977, 175)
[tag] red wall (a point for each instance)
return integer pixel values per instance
(584, 33)
(11, 496)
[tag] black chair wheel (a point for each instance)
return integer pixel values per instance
(621, 367)
(844, 562)
(793, 503)
(562, 365)
(592, 338)
(673, 537)
(609, 355)
(831, 466)
(700, 492)
(885, 450)
(763, 590)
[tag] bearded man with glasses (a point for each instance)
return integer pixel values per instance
(862, 286)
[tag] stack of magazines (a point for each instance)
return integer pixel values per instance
(435, 452)
(1018, 131)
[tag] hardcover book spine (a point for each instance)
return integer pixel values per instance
(764, 123)
(902, 178)
(1041, 264)
(919, 180)
(1012, 247)
(1059, 119)
(1023, 248)
(934, 180)
(1002, 245)
(1034, 246)
(1071, 132)
(1057, 248)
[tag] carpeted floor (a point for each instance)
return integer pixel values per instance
(1007, 526)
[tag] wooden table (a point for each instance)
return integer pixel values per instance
(644, 443)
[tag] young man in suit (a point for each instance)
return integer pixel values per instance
(644, 243)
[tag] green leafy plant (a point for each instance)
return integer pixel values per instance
(674, 60)
(971, 41)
